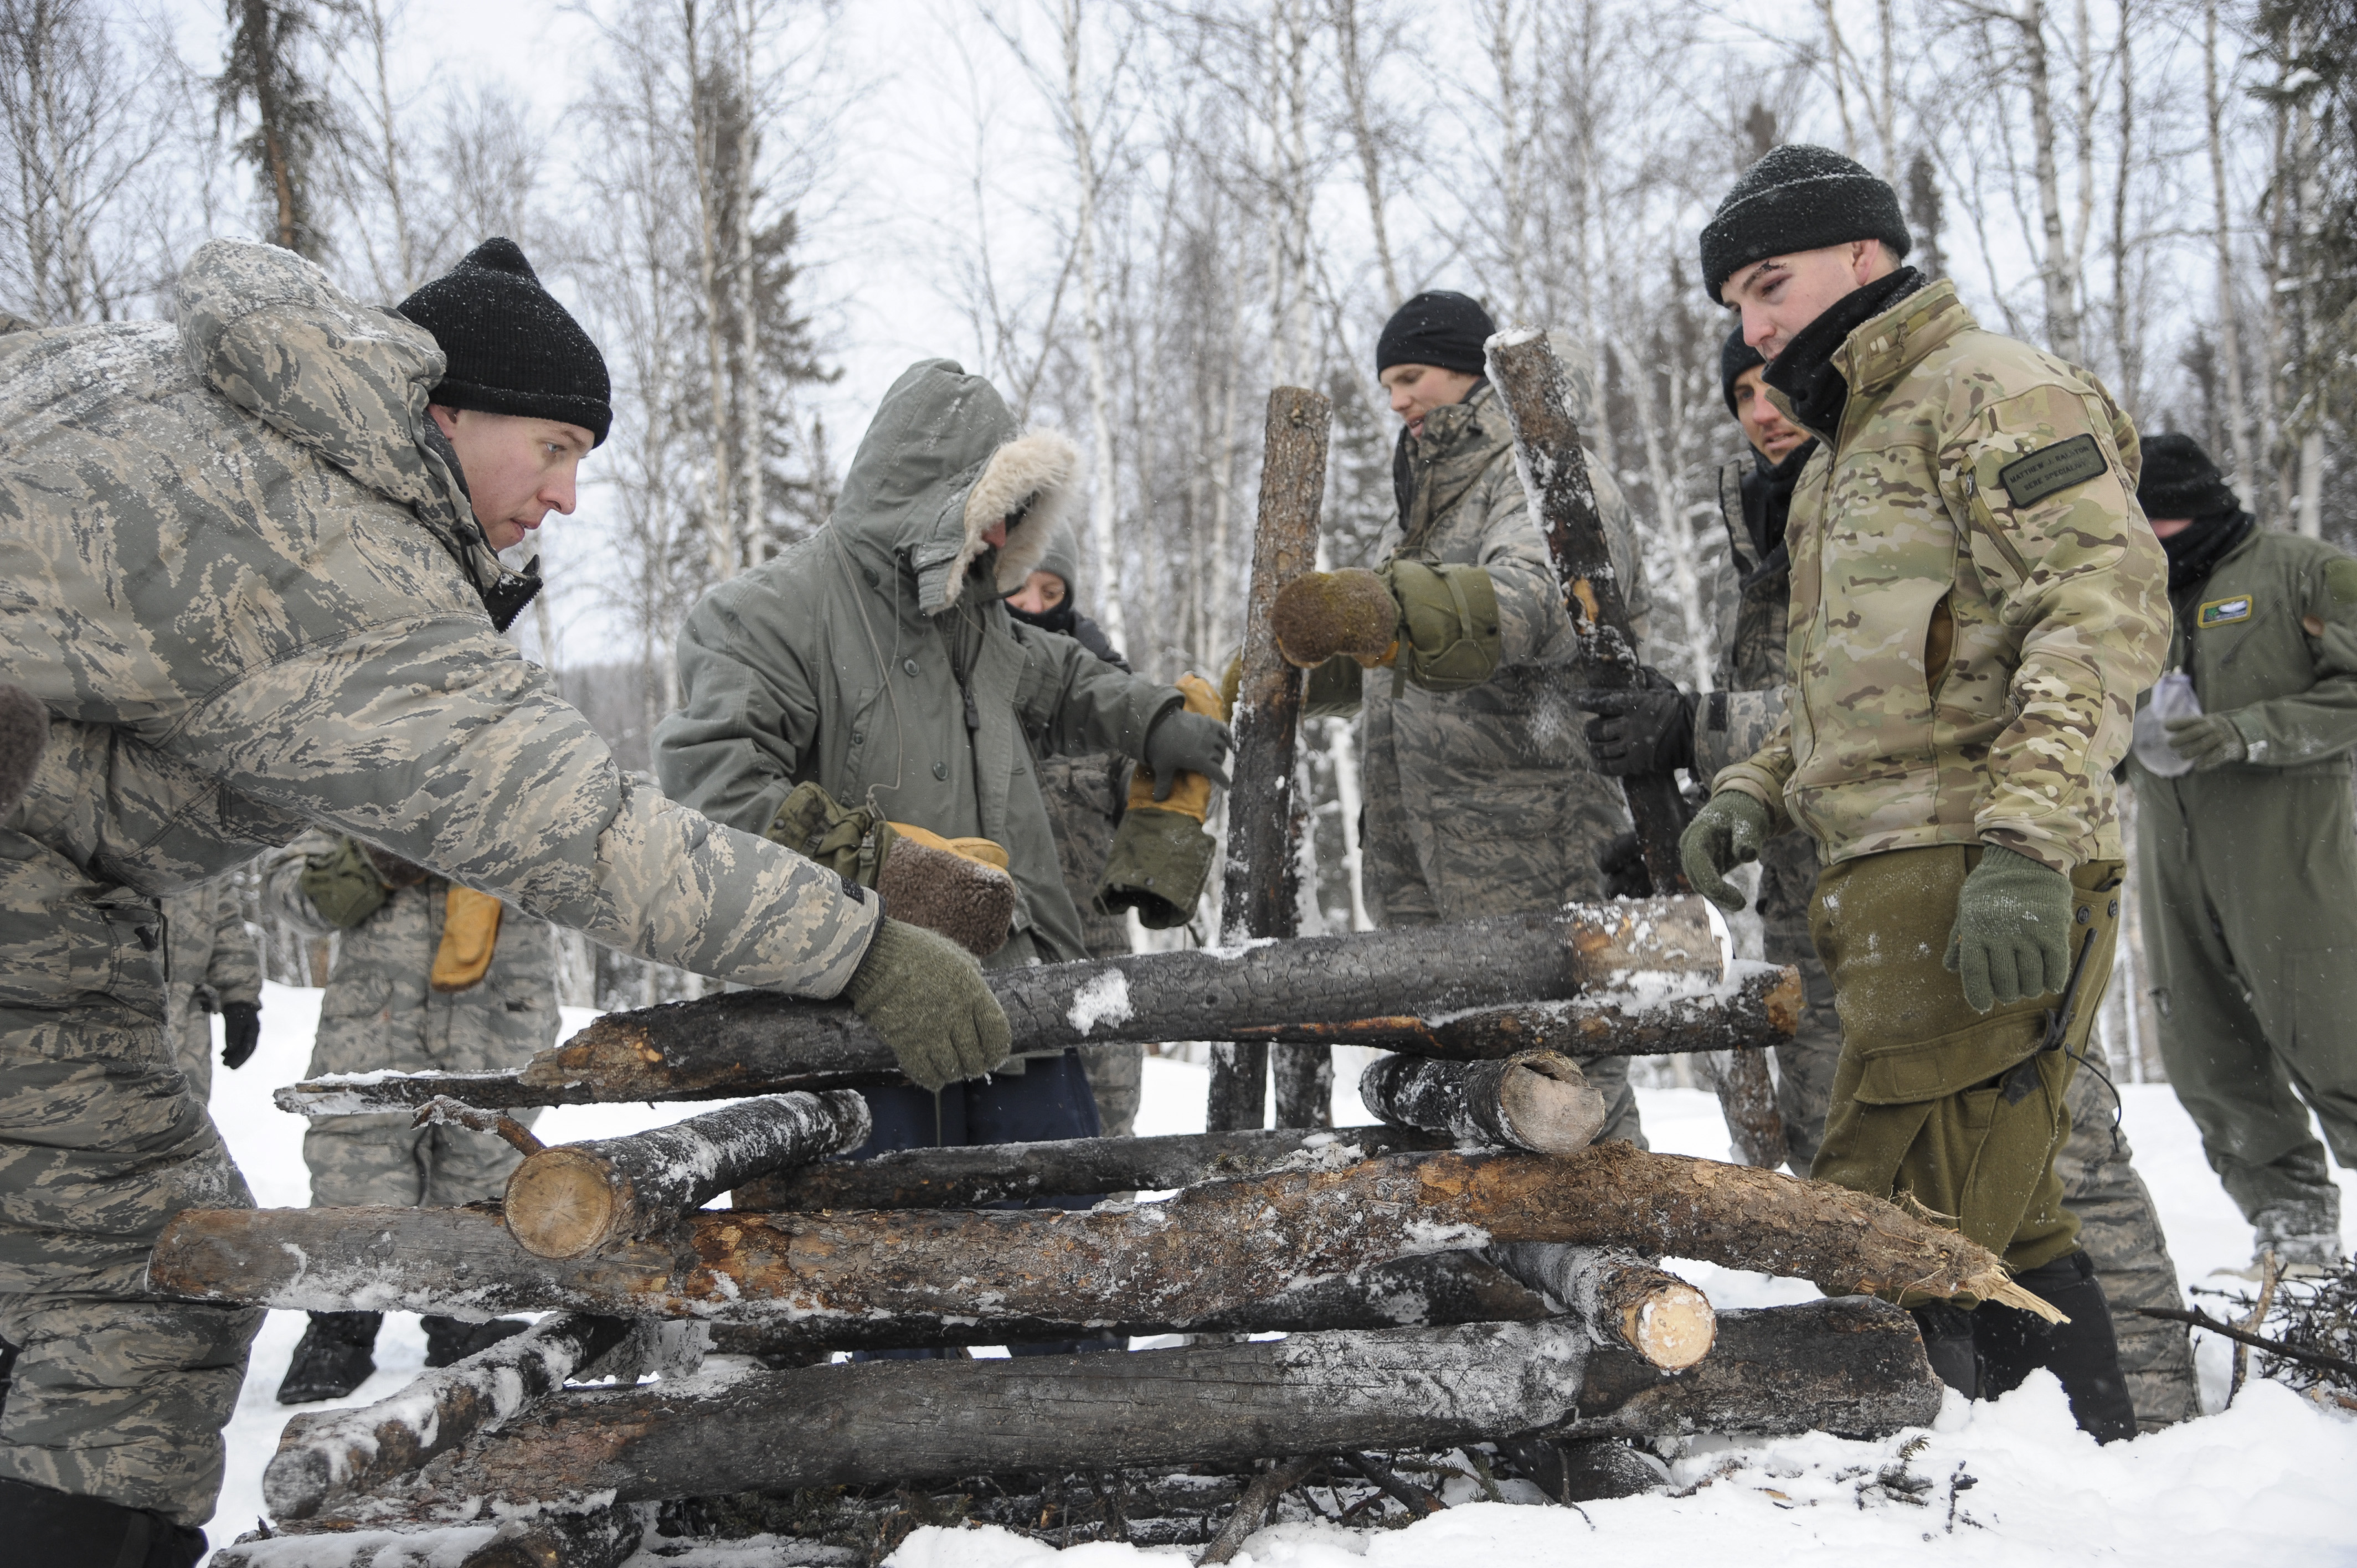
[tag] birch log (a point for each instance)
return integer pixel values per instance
(1538, 1100)
(572, 1199)
(1261, 892)
(1211, 1250)
(1664, 1319)
(724, 1047)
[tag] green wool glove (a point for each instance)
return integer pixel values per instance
(343, 884)
(2207, 740)
(1726, 833)
(1448, 624)
(2012, 937)
(924, 994)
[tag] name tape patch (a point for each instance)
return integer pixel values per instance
(2031, 479)
(2221, 612)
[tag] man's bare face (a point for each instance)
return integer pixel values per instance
(1418, 389)
(1783, 294)
(518, 469)
(1764, 425)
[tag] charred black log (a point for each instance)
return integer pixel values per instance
(1538, 1100)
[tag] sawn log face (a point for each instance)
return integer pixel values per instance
(1211, 1250)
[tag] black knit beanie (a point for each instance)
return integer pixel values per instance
(1798, 198)
(1734, 357)
(1439, 328)
(2180, 480)
(511, 347)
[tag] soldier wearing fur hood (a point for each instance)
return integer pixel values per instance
(877, 661)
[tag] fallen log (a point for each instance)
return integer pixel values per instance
(1853, 1366)
(747, 1042)
(1746, 1101)
(1758, 1005)
(1211, 1250)
(1261, 890)
(603, 1538)
(571, 1199)
(324, 1453)
(976, 1176)
(1538, 1100)
(1667, 1321)
(443, 1548)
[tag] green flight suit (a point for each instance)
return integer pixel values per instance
(2249, 876)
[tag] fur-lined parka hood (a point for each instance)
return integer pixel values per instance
(942, 462)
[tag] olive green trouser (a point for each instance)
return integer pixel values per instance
(1961, 1111)
(2249, 887)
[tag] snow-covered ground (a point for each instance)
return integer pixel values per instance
(2272, 1481)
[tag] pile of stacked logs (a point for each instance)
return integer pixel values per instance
(1473, 1271)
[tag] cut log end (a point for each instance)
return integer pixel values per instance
(561, 1204)
(1674, 1328)
(1549, 1104)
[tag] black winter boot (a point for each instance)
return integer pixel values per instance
(58, 1529)
(451, 1340)
(2083, 1353)
(336, 1355)
(1948, 1341)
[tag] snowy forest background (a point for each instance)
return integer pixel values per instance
(1138, 216)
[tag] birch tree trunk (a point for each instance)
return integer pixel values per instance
(1081, 134)
(2058, 269)
(2229, 336)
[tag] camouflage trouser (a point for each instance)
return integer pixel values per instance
(117, 1394)
(192, 1052)
(1502, 876)
(1805, 1063)
(1116, 1076)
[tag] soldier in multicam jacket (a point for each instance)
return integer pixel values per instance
(1480, 797)
(1084, 797)
(411, 992)
(241, 567)
(1975, 602)
(211, 964)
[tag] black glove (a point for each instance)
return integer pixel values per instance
(1648, 730)
(1181, 742)
(241, 1032)
(1623, 865)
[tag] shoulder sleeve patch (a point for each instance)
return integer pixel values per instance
(2341, 581)
(2030, 479)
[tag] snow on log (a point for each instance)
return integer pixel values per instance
(323, 1454)
(446, 1548)
(1758, 1005)
(748, 1042)
(892, 1421)
(1538, 1100)
(571, 1199)
(1660, 1316)
(975, 1176)
(1211, 1250)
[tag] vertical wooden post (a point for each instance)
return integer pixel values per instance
(1263, 883)
(1531, 383)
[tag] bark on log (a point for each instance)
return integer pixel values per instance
(977, 1176)
(325, 1453)
(1746, 1100)
(836, 1425)
(358, 1548)
(1261, 890)
(1758, 1005)
(1664, 1319)
(604, 1538)
(1211, 1250)
(1854, 1366)
(573, 1199)
(1538, 1100)
(748, 1042)
(1536, 390)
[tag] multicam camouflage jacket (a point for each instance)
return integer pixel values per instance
(240, 568)
(1977, 601)
(1751, 602)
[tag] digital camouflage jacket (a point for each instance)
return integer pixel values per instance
(1751, 603)
(237, 564)
(1977, 601)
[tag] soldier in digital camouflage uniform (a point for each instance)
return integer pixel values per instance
(213, 965)
(240, 568)
(407, 996)
(1480, 796)
(1975, 602)
(2247, 853)
(1085, 796)
(1653, 730)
